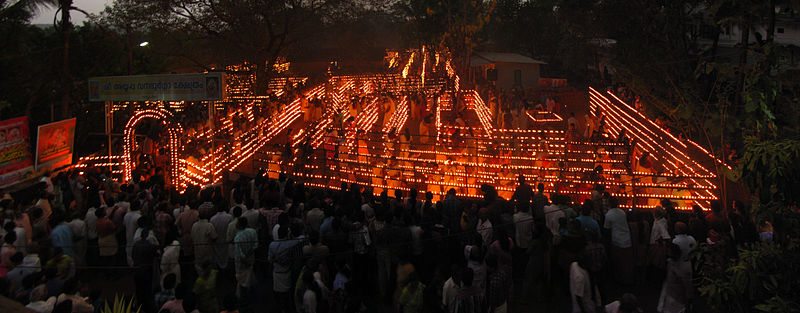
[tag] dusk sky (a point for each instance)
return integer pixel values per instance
(45, 15)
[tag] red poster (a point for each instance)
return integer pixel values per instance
(54, 145)
(15, 151)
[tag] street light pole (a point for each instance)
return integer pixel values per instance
(130, 49)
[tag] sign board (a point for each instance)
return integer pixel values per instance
(15, 151)
(55, 143)
(168, 87)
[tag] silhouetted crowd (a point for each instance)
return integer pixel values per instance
(259, 244)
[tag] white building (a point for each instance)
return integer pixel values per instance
(507, 70)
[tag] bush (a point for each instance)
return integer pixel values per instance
(760, 277)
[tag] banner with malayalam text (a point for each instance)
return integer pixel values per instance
(16, 163)
(167, 87)
(55, 143)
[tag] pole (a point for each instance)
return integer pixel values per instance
(213, 138)
(109, 127)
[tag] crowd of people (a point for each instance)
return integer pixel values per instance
(302, 249)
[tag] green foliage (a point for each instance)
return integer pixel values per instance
(762, 277)
(778, 304)
(760, 95)
(772, 168)
(120, 306)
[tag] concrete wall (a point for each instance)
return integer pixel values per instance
(505, 75)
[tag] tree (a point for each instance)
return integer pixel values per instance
(122, 18)
(209, 34)
(21, 10)
(65, 7)
(22, 53)
(449, 25)
(30, 60)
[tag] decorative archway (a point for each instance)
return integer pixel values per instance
(174, 131)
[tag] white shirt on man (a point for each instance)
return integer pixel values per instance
(659, 231)
(617, 222)
(30, 264)
(552, 215)
(314, 218)
(523, 225)
(203, 237)
(486, 230)
(687, 243)
(230, 235)
(91, 222)
(177, 211)
(580, 286)
(251, 216)
(221, 221)
(449, 292)
(130, 221)
(170, 260)
(22, 239)
(309, 301)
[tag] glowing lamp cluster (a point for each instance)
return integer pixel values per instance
(495, 156)
(174, 131)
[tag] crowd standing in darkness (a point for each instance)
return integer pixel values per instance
(304, 249)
